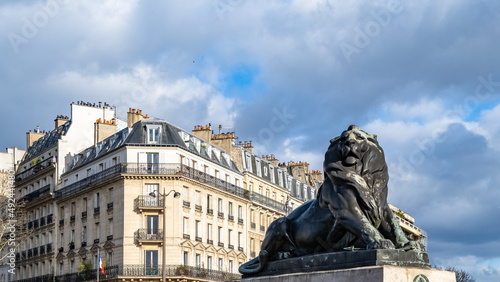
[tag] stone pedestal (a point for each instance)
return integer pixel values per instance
(384, 273)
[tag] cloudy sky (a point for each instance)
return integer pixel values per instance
(290, 75)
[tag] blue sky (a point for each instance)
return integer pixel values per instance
(289, 75)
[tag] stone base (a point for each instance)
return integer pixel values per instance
(384, 273)
(345, 260)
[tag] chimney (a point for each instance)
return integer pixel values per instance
(103, 129)
(134, 116)
(60, 120)
(223, 140)
(31, 137)
(203, 132)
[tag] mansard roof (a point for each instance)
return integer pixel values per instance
(170, 136)
(47, 141)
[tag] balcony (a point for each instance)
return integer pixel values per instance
(230, 218)
(84, 244)
(220, 244)
(35, 252)
(240, 220)
(187, 273)
(30, 225)
(36, 223)
(211, 242)
(30, 253)
(97, 210)
(84, 214)
(220, 215)
(110, 206)
(198, 239)
(61, 249)
(186, 204)
(42, 221)
(252, 225)
(143, 202)
(231, 247)
(262, 228)
(48, 248)
(152, 236)
(50, 217)
(109, 238)
(186, 236)
(197, 208)
(210, 211)
(240, 249)
(42, 250)
(96, 241)
(37, 168)
(72, 219)
(61, 222)
(44, 191)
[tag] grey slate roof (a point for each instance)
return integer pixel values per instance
(170, 136)
(48, 141)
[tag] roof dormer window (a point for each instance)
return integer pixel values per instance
(153, 134)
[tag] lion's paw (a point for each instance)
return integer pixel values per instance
(413, 246)
(382, 244)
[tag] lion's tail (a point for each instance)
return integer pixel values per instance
(255, 265)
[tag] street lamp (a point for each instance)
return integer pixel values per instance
(176, 195)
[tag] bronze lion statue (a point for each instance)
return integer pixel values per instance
(349, 212)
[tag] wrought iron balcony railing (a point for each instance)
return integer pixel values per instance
(240, 220)
(252, 225)
(197, 208)
(143, 235)
(197, 273)
(220, 215)
(210, 211)
(40, 166)
(230, 218)
(45, 190)
(146, 201)
(50, 217)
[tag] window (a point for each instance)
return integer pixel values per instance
(209, 263)
(61, 241)
(113, 161)
(96, 200)
(219, 234)
(84, 234)
(209, 202)
(152, 165)
(220, 205)
(221, 264)
(259, 168)
(268, 220)
(89, 172)
(153, 134)
(240, 212)
(71, 266)
(186, 258)
(72, 236)
(194, 164)
(84, 204)
(230, 208)
(198, 260)
(209, 231)
(151, 262)
(111, 227)
(240, 238)
(228, 178)
(111, 195)
(216, 174)
(271, 173)
(229, 235)
(97, 231)
(252, 219)
(76, 177)
(205, 169)
(101, 166)
(197, 198)
(185, 194)
(230, 266)
(185, 225)
(73, 209)
(197, 228)
(110, 259)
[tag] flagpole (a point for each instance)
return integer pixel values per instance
(98, 264)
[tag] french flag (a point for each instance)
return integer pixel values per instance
(100, 264)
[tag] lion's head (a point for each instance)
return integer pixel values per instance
(357, 151)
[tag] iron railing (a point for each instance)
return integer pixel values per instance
(34, 169)
(178, 270)
(143, 235)
(146, 201)
(45, 190)
(50, 217)
(89, 275)
(167, 169)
